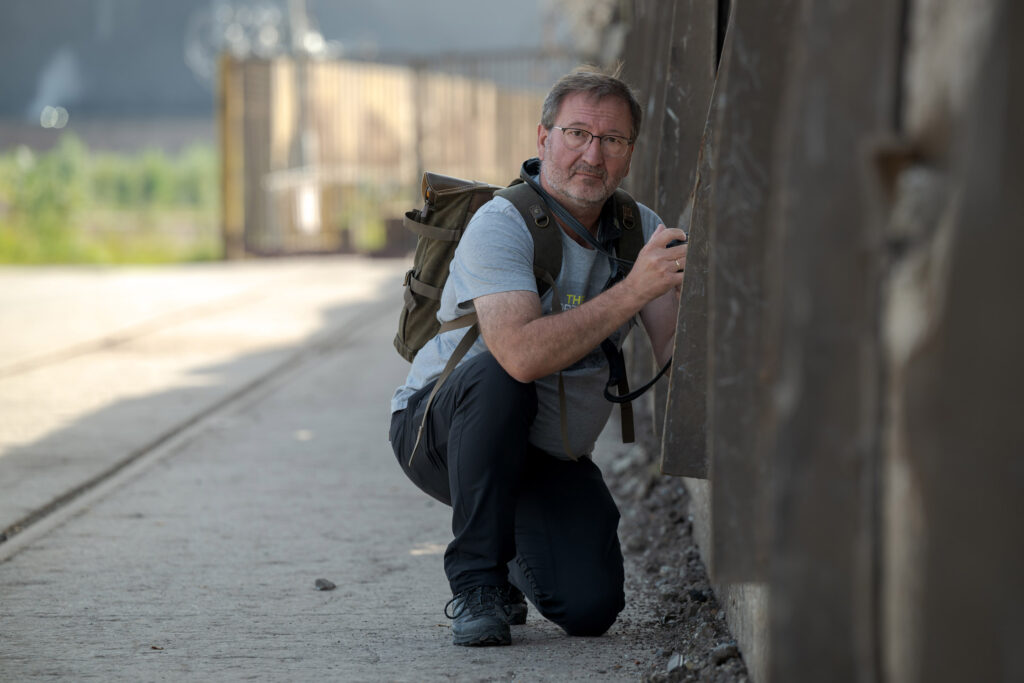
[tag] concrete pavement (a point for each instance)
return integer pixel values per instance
(97, 363)
(230, 420)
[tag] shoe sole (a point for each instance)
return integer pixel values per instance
(483, 640)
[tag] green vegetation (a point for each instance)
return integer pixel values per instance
(361, 211)
(69, 205)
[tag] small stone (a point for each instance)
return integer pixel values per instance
(324, 585)
(674, 662)
(724, 652)
(636, 544)
(638, 453)
(621, 464)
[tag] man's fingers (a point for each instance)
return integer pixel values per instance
(666, 237)
(677, 251)
(679, 240)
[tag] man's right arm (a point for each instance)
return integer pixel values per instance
(530, 345)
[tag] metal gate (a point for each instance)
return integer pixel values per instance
(325, 156)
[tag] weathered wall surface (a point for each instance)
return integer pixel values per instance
(846, 390)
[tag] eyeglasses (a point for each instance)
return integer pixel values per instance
(611, 145)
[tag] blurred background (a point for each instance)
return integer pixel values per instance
(144, 131)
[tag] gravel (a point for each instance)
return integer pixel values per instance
(690, 638)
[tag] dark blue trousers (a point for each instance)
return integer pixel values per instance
(519, 515)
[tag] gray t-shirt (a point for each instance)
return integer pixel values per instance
(496, 255)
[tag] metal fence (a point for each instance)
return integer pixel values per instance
(323, 156)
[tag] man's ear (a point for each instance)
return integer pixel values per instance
(542, 138)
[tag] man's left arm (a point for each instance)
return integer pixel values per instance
(659, 319)
(659, 315)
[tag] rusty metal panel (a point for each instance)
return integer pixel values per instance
(684, 443)
(684, 428)
(645, 68)
(690, 80)
(758, 63)
(955, 336)
(840, 96)
(689, 83)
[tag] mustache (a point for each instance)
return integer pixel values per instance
(591, 170)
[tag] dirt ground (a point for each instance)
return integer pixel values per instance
(691, 639)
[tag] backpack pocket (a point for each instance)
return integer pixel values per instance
(448, 205)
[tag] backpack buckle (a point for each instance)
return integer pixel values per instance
(539, 217)
(628, 220)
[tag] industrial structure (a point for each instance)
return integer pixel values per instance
(845, 398)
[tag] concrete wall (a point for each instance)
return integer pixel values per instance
(845, 395)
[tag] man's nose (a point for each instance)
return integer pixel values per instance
(593, 152)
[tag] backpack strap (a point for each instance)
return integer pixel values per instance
(464, 345)
(631, 233)
(547, 238)
(547, 255)
(627, 247)
(547, 263)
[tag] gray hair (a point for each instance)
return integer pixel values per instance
(595, 83)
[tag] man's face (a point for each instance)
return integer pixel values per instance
(584, 178)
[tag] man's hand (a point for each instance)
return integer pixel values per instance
(659, 267)
(659, 314)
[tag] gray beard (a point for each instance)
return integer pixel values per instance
(564, 197)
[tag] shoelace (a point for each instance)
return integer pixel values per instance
(474, 601)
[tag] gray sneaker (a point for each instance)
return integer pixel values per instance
(479, 617)
(513, 605)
